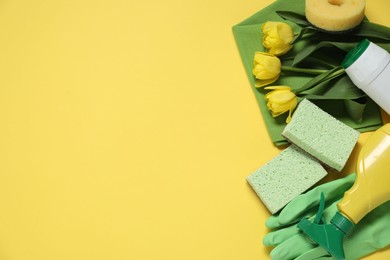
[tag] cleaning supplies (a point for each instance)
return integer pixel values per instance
(368, 192)
(318, 133)
(335, 15)
(370, 235)
(368, 66)
(287, 175)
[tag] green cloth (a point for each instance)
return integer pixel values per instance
(248, 37)
(368, 236)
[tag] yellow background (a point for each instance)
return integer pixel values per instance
(127, 129)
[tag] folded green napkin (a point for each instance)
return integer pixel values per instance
(248, 37)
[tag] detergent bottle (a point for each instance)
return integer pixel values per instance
(371, 189)
(368, 66)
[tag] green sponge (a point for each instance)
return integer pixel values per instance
(321, 135)
(287, 175)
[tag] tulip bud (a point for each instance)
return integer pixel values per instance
(267, 68)
(277, 37)
(280, 100)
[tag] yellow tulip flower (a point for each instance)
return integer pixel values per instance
(277, 37)
(266, 69)
(280, 100)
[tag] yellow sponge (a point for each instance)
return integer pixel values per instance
(335, 15)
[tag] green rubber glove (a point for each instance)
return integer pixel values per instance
(369, 235)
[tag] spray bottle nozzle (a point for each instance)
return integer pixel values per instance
(368, 192)
(329, 236)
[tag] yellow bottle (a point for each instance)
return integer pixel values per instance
(371, 187)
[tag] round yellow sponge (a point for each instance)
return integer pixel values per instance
(335, 15)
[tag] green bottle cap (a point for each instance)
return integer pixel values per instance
(342, 223)
(355, 53)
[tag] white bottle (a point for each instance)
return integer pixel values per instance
(368, 66)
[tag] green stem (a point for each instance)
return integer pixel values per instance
(316, 81)
(301, 70)
(336, 73)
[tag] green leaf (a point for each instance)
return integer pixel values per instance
(369, 29)
(297, 18)
(355, 108)
(319, 62)
(302, 32)
(341, 88)
(326, 76)
(311, 48)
